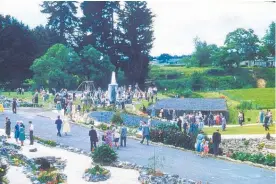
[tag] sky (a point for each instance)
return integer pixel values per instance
(177, 22)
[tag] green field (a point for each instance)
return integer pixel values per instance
(264, 97)
(251, 129)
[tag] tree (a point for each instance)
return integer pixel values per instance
(269, 39)
(17, 51)
(99, 27)
(45, 38)
(62, 19)
(96, 66)
(202, 53)
(164, 57)
(136, 26)
(57, 68)
(242, 44)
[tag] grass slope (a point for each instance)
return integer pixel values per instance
(251, 129)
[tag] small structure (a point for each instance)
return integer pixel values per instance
(189, 105)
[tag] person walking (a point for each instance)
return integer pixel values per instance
(58, 123)
(93, 138)
(66, 126)
(216, 141)
(31, 130)
(240, 118)
(223, 123)
(146, 133)
(199, 139)
(266, 122)
(123, 132)
(179, 124)
(261, 116)
(14, 104)
(116, 137)
(16, 131)
(8, 127)
(22, 133)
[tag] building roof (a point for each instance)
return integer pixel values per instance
(192, 104)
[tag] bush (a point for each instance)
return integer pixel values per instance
(255, 158)
(117, 119)
(245, 105)
(97, 170)
(104, 155)
(102, 126)
(215, 71)
(47, 142)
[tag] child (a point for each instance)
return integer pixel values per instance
(205, 148)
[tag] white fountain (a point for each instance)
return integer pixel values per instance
(112, 89)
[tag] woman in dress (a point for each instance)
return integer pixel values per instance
(108, 137)
(16, 131)
(22, 133)
(199, 139)
(66, 126)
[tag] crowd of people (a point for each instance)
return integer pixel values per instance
(19, 131)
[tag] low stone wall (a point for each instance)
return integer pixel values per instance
(263, 146)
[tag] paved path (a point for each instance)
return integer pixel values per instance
(185, 164)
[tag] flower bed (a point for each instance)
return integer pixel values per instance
(96, 174)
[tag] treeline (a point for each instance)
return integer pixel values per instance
(109, 36)
(239, 45)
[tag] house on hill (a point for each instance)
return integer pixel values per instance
(190, 105)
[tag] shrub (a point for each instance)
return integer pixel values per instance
(246, 142)
(102, 126)
(268, 136)
(47, 142)
(255, 158)
(245, 105)
(248, 119)
(97, 170)
(104, 155)
(117, 119)
(215, 71)
(261, 146)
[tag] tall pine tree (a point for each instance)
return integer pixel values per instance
(136, 26)
(62, 19)
(98, 26)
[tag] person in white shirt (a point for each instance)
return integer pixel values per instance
(31, 129)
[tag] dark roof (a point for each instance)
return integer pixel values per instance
(192, 104)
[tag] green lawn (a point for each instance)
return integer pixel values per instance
(264, 97)
(28, 98)
(258, 93)
(253, 129)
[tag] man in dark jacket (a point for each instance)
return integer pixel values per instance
(179, 123)
(93, 138)
(58, 123)
(216, 141)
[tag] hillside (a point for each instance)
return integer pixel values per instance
(209, 79)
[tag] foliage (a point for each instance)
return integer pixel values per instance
(57, 68)
(261, 146)
(98, 18)
(49, 176)
(215, 72)
(268, 136)
(243, 43)
(117, 119)
(245, 105)
(164, 57)
(269, 39)
(62, 19)
(246, 142)
(96, 66)
(97, 170)
(104, 155)
(255, 158)
(17, 48)
(197, 81)
(136, 39)
(46, 142)
(102, 126)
